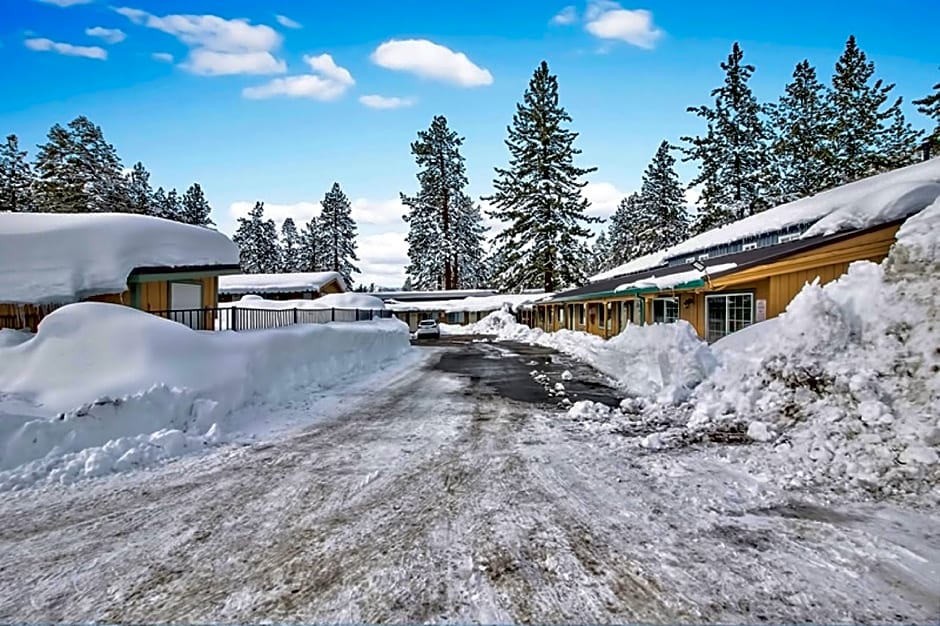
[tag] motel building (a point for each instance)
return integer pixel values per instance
(748, 271)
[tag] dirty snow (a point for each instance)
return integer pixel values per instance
(278, 283)
(58, 257)
(99, 384)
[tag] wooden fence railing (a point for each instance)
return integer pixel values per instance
(245, 318)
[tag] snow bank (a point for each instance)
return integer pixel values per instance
(659, 362)
(59, 257)
(869, 202)
(329, 301)
(278, 283)
(472, 304)
(134, 376)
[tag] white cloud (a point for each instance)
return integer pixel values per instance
(382, 259)
(604, 198)
(213, 63)
(301, 212)
(378, 211)
(47, 45)
(568, 15)
(163, 57)
(364, 211)
(66, 3)
(375, 101)
(608, 20)
(109, 35)
(287, 22)
(218, 46)
(692, 196)
(430, 60)
(329, 82)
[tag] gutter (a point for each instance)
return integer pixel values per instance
(633, 291)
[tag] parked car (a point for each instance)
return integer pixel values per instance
(428, 329)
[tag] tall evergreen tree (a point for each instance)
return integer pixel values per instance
(732, 155)
(930, 106)
(291, 247)
(194, 208)
(867, 136)
(663, 201)
(139, 192)
(16, 177)
(539, 194)
(622, 236)
(600, 255)
(171, 208)
(99, 166)
(60, 184)
(257, 242)
(800, 147)
(310, 255)
(338, 234)
(445, 228)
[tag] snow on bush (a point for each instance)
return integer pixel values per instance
(133, 375)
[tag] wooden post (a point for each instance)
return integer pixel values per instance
(295, 315)
(333, 314)
(233, 318)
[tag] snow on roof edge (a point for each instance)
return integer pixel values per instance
(235, 284)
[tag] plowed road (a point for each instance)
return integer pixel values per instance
(459, 492)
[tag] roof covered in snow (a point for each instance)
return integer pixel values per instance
(421, 296)
(63, 257)
(868, 202)
(472, 304)
(295, 282)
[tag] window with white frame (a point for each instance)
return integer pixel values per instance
(727, 313)
(786, 238)
(752, 245)
(665, 310)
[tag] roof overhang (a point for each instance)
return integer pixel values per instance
(191, 272)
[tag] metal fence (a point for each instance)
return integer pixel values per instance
(245, 318)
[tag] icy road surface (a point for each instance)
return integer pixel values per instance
(462, 493)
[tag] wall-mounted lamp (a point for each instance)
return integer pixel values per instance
(698, 266)
(688, 302)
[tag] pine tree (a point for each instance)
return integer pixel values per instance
(291, 247)
(663, 202)
(195, 209)
(930, 106)
(801, 126)
(16, 178)
(59, 185)
(622, 239)
(866, 138)
(158, 202)
(310, 255)
(99, 166)
(732, 155)
(338, 234)
(256, 239)
(600, 255)
(445, 227)
(539, 194)
(140, 193)
(170, 208)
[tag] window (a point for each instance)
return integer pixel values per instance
(456, 317)
(665, 310)
(786, 238)
(702, 257)
(627, 313)
(186, 304)
(751, 245)
(728, 313)
(580, 308)
(561, 315)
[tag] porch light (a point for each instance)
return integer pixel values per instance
(698, 266)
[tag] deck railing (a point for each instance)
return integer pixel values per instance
(247, 318)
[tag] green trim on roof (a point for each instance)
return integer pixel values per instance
(635, 291)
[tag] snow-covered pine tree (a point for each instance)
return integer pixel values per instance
(445, 227)
(733, 154)
(468, 235)
(139, 192)
(256, 239)
(60, 184)
(194, 208)
(338, 234)
(16, 178)
(310, 255)
(172, 207)
(663, 201)
(622, 240)
(930, 106)
(800, 123)
(600, 255)
(99, 166)
(158, 203)
(539, 194)
(866, 137)
(291, 247)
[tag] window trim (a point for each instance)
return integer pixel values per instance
(751, 245)
(664, 299)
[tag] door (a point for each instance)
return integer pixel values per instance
(186, 305)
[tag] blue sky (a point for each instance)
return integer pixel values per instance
(247, 103)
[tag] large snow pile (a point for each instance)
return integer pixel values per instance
(849, 381)
(293, 282)
(868, 202)
(103, 387)
(59, 257)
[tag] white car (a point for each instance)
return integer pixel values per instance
(428, 329)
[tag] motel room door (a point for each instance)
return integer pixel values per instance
(186, 304)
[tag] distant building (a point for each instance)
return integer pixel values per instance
(289, 286)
